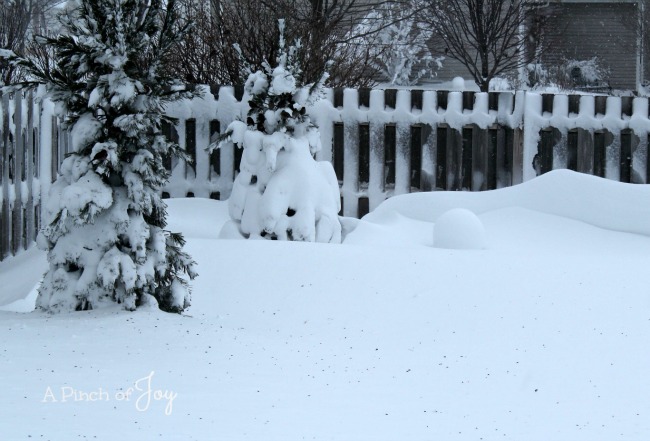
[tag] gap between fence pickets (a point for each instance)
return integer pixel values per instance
(381, 143)
(5, 214)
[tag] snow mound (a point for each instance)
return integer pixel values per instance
(459, 229)
(596, 201)
(23, 305)
(458, 84)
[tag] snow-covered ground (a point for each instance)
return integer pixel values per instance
(541, 335)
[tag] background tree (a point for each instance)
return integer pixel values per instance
(489, 37)
(328, 30)
(105, 230)
(20, 20)
(400, 47)
(14, 22)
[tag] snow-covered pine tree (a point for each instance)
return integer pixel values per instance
(106, 237)
(282, 192)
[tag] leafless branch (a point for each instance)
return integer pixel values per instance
(322, 26)
(489, 37)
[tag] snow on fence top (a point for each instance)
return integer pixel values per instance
(381, 143)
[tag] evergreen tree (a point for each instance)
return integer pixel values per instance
(281, 191)
(106, 237)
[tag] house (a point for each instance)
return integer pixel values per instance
(584, 29)
(599, 28)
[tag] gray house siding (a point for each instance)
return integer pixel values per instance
(603, 30)
(582, 30)
(450, 69)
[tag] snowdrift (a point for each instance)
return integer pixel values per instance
(600, 202)
(540, 336)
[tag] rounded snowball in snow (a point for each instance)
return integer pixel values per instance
(459, 229)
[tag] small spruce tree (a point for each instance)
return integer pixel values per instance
(282, 192)
(106, 237)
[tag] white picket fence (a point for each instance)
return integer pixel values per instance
(381, 143)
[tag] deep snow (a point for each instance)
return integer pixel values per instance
(542, 335)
